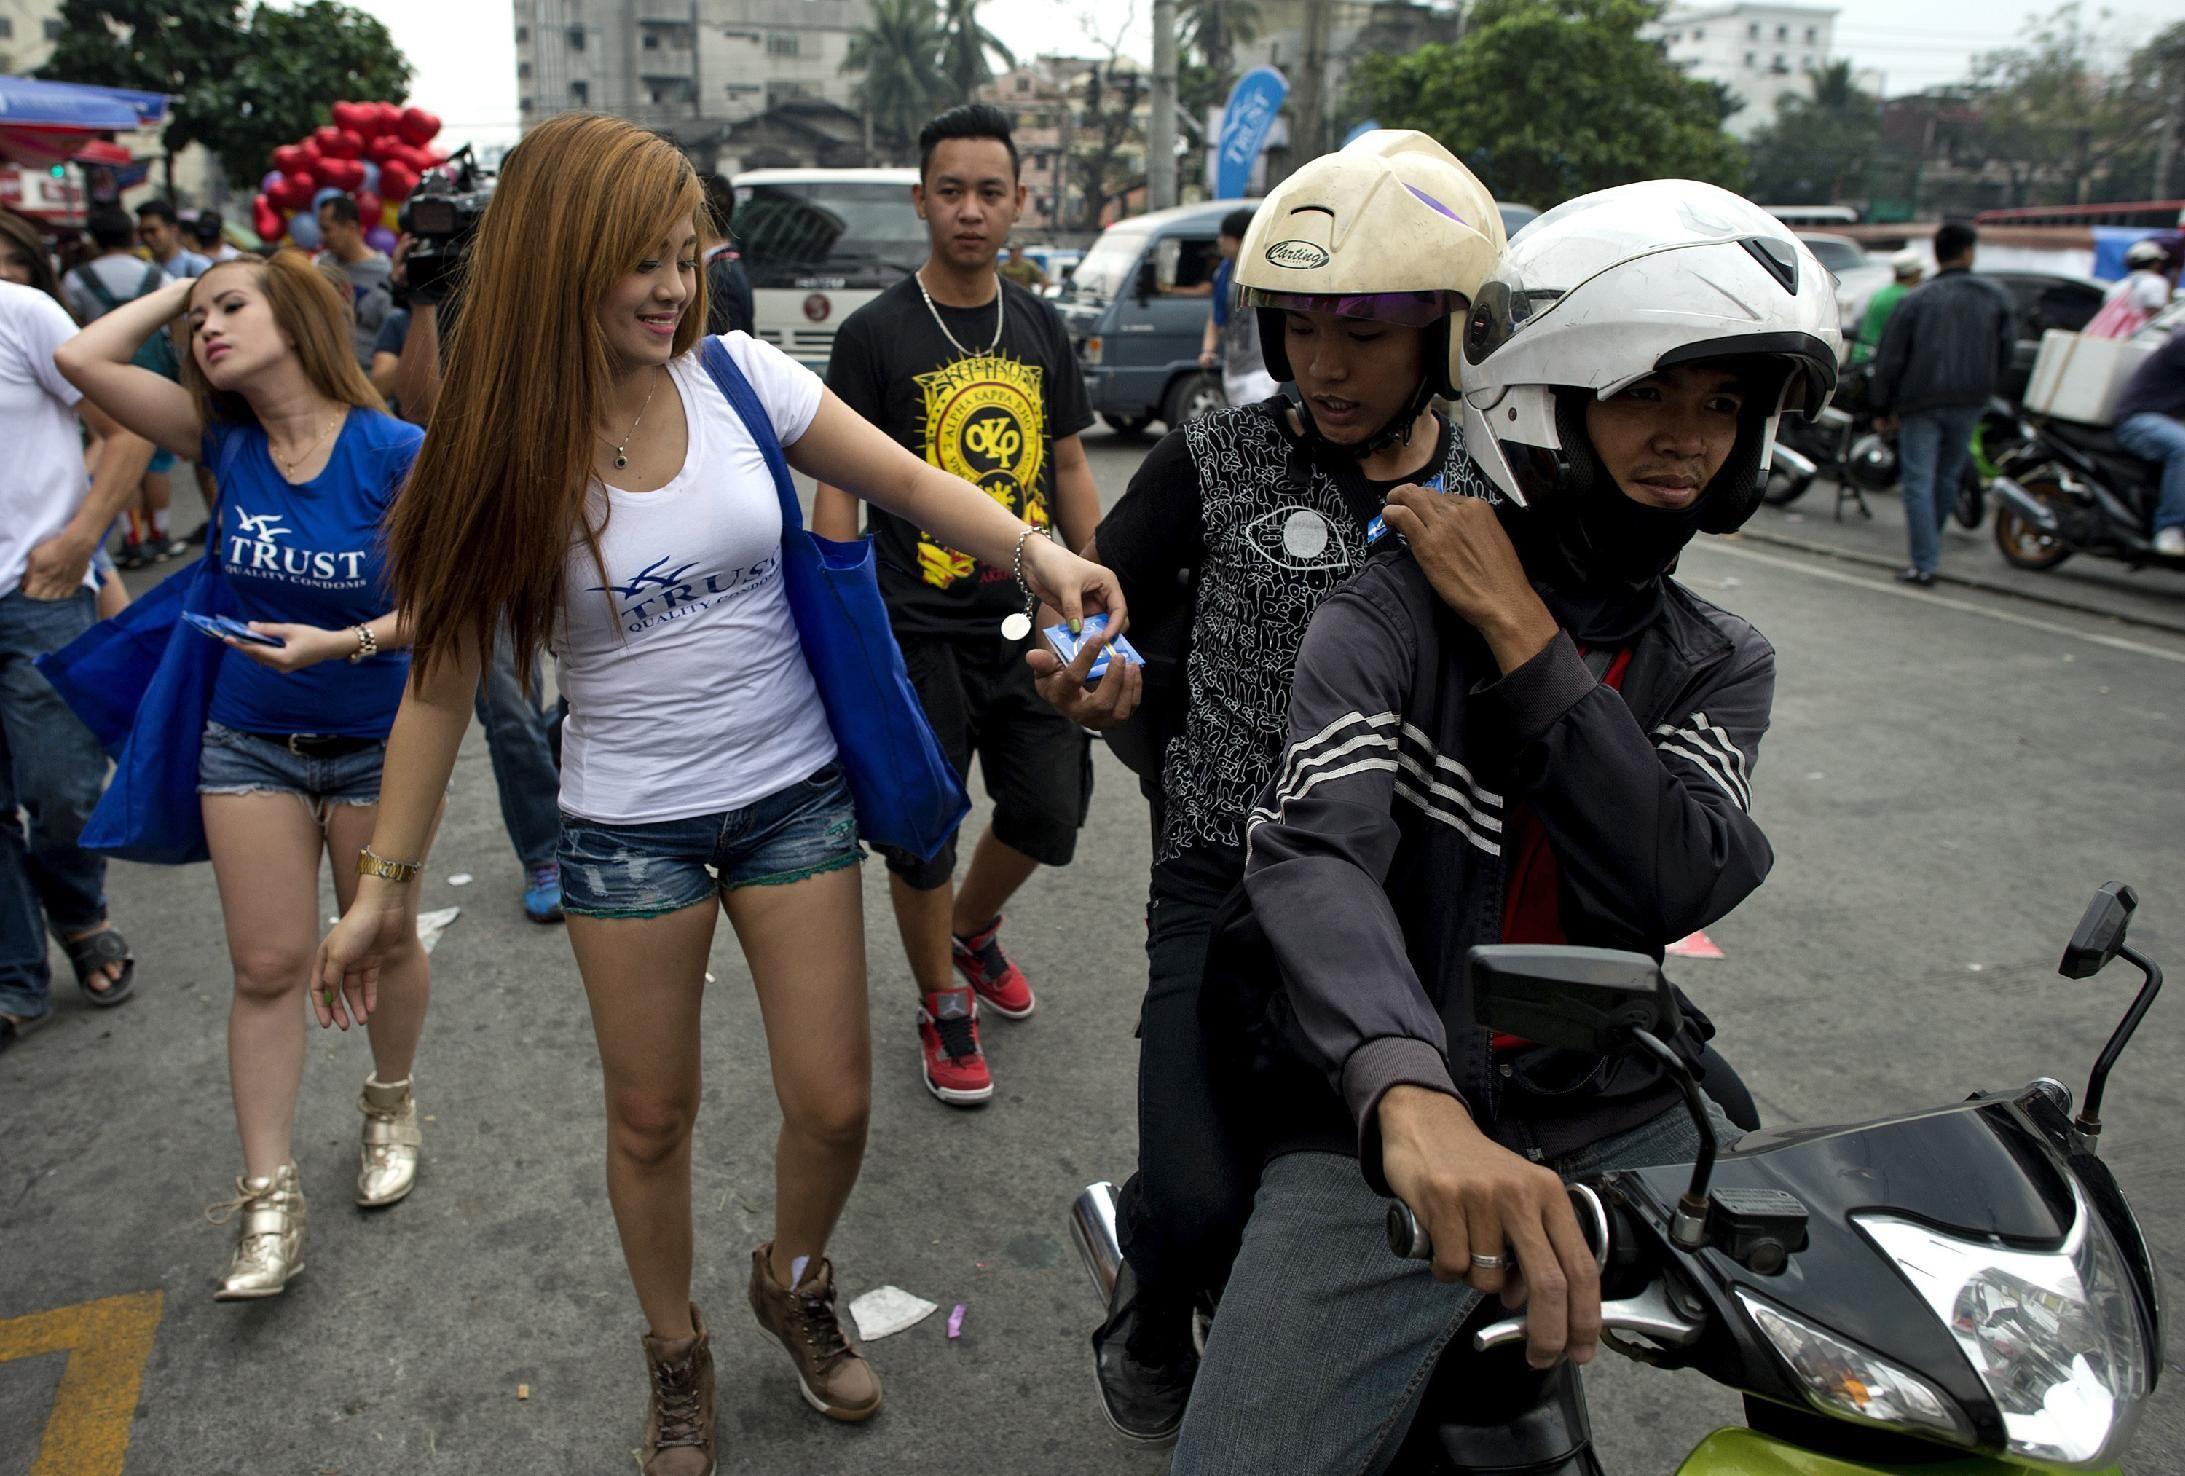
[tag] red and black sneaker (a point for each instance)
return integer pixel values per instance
(979, 958)
(948, 1032)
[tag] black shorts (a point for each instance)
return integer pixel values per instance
(978, 695)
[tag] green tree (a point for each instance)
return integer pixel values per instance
(1820, 147)
(966, 46)
(1212, 30)
(294, 65)
(181, 47)
(1620, 112)
(899, 53)
(2056, 119)
(241, 91)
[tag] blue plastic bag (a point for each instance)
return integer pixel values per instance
(142, 682)
(908, 795)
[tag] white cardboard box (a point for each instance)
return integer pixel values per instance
(2079, 378)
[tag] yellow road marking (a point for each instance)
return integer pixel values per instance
(108, 1343)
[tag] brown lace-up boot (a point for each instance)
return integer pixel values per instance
(679, 1418)
(833, 1376)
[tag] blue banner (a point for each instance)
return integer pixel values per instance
(1253, 104)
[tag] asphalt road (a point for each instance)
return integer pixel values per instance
(1949, 775)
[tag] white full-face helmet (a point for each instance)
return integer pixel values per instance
(1391, 228)
(1611, 287)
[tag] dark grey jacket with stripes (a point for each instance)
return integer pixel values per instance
(1375, 858)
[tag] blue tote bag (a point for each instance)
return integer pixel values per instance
(908, 794)
(142, 682)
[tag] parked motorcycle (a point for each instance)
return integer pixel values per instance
(2070, 488)
(1840, 444)
(1998, 433)
(1963, 1288)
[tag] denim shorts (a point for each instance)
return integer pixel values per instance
(663, 866)
(245, 763)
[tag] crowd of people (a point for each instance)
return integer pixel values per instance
(1419, 678)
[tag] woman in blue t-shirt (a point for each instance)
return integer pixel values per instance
(309, 462)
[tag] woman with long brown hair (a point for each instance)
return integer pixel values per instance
(585, 485)
(309, 462)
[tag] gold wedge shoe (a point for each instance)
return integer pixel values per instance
(387, 1161)
(269, 1240)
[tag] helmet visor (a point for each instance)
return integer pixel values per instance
(1404, 309)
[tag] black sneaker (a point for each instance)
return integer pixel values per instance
(1924, 578)
(1145, 1366)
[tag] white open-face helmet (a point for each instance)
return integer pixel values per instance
(1608, 288)
(2147, 255)
(1392, 228)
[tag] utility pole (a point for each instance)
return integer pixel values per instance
(2172, 123)
(1161, 121)
(1309, 124)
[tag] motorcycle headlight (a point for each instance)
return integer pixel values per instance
(1850, 1382)
(2054, 1335)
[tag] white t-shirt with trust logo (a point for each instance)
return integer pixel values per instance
(688, 690)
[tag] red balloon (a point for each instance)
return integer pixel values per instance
(350, 116)
(337, 143)
(266, 220)
(342, 174)
(396, 180)
(368, 206)
(307, 154)
(386, 117)
(288, 159)
(295, 190)
(417, 126)
(382, 147)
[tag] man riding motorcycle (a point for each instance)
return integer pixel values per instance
(1233, 531)
(1516, 729)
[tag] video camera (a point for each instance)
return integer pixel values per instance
(441, 217)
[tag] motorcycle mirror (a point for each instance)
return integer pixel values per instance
(1577, 999)
(1604, 1002)
(2094, 943)
(2097, 940)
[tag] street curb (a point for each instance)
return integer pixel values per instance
(1987, 586)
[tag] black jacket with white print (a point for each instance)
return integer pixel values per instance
(1376, 857)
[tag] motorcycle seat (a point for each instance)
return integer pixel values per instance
(2138, 480)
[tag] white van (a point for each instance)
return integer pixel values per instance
(819, 244)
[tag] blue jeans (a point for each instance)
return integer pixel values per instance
(523, 764)
(1324, 1342)
(652, 868)
(1932, 446)
(53, 770)
(2160, 439)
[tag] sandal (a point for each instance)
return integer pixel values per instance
(91, 954)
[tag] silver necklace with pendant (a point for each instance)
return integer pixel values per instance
(622, 458)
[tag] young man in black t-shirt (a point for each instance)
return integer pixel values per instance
(978, 376)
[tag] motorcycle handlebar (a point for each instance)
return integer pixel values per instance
(1407, 1235)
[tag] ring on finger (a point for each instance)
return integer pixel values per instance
(1489, 1263)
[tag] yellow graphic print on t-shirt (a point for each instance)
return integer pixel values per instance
(985, 421)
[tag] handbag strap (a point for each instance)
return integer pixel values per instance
(745, 402)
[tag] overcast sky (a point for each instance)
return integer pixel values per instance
(465, 59)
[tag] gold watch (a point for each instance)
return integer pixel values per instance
(379, 866)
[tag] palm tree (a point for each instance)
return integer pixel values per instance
(899, 53)
(965, 46)
(1215, 28)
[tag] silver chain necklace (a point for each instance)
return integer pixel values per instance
(621, 457)
(1000, 310)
